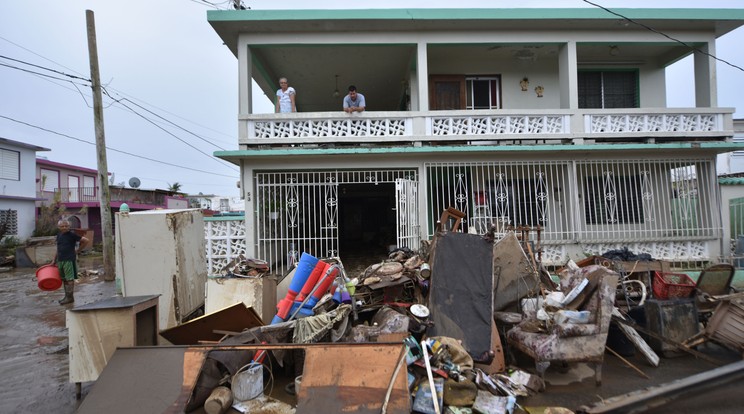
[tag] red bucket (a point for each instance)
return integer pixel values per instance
(48, 277)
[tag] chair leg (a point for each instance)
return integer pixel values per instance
(541, 367)
(598, 373)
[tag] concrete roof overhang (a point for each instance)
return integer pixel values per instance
(321, 51)
(571, 151)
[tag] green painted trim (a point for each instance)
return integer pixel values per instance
(730, 181)
(234, 218)
(728, 146)
(472, 14)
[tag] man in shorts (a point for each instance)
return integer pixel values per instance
(66, 258)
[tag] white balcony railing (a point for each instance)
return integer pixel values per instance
(550, 126)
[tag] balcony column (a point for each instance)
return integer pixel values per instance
(245, 74)
(421, 101)
(568, 76)
(706, 92)
(249, 198)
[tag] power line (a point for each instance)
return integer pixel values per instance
(45, 68)
(39, 73)
(112, 149)
(663, 34)
(175, 125)
(119, 102)
(114, 89)
(163, 129)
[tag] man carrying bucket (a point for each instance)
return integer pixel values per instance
(66, 257)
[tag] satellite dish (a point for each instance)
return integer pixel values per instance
(134, 182)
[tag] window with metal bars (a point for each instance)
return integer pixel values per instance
(608, 89)
(613, 200)
(9, 222)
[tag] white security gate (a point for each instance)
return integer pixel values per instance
(297, 211)
(407, 221)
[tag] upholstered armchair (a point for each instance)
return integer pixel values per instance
(572, 342)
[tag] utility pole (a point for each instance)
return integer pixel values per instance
(109, 272)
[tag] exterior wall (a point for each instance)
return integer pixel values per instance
(20, 195)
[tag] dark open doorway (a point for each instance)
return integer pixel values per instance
(366, 222)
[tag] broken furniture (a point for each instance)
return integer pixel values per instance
(162, 252)
(673, 319)
(713, 281)
(726, 326)
(336, 378)
(258, 293)
(572, 342)
(461, 295)
(95, 331)
(453, 216)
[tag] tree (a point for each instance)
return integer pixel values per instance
(175, 187)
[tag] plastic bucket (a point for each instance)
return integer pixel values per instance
(48, 278)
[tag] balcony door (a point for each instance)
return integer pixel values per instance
(453, 92)
(73, 188)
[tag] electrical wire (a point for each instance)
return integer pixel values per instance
(45, 68)
(113, 149)
(165, 130)
(663, 34)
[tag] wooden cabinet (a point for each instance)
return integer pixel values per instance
(96, 329)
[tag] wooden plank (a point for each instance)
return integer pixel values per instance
(352, 378)
(235, 318)
(257, 293)
(638, 342)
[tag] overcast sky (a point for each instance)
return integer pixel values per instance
(176, 83)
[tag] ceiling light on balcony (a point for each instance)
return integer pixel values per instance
(336, 92)
(614, 50)
(525, 55)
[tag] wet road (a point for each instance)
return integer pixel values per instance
(33, 341)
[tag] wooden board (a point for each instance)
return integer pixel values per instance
(353, 378)
(257, 293)
(234, 318)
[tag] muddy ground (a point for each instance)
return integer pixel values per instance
(34, 359)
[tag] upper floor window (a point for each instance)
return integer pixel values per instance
(608, 89)
(10, 164)
(483, 92)
(452, 92)
(49, 180)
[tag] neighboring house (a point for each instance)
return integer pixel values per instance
(77, 188)
(531, 118)
(733, 162)
(17, 178)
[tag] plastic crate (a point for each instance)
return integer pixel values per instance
(672, 285)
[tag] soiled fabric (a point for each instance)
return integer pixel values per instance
(312, 328)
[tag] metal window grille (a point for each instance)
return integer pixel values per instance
(586, 202)
(9, 222)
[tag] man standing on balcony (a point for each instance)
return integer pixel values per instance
(285, 97)
(66, 257)
(354, 102)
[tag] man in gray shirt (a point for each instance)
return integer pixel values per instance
(354, 102)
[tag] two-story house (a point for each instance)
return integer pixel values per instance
(77, 189)
(18, 197)
(536, 118)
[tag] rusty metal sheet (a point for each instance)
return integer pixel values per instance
(461, 296)
(354, 378)
(142, 380)
(234, 318)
